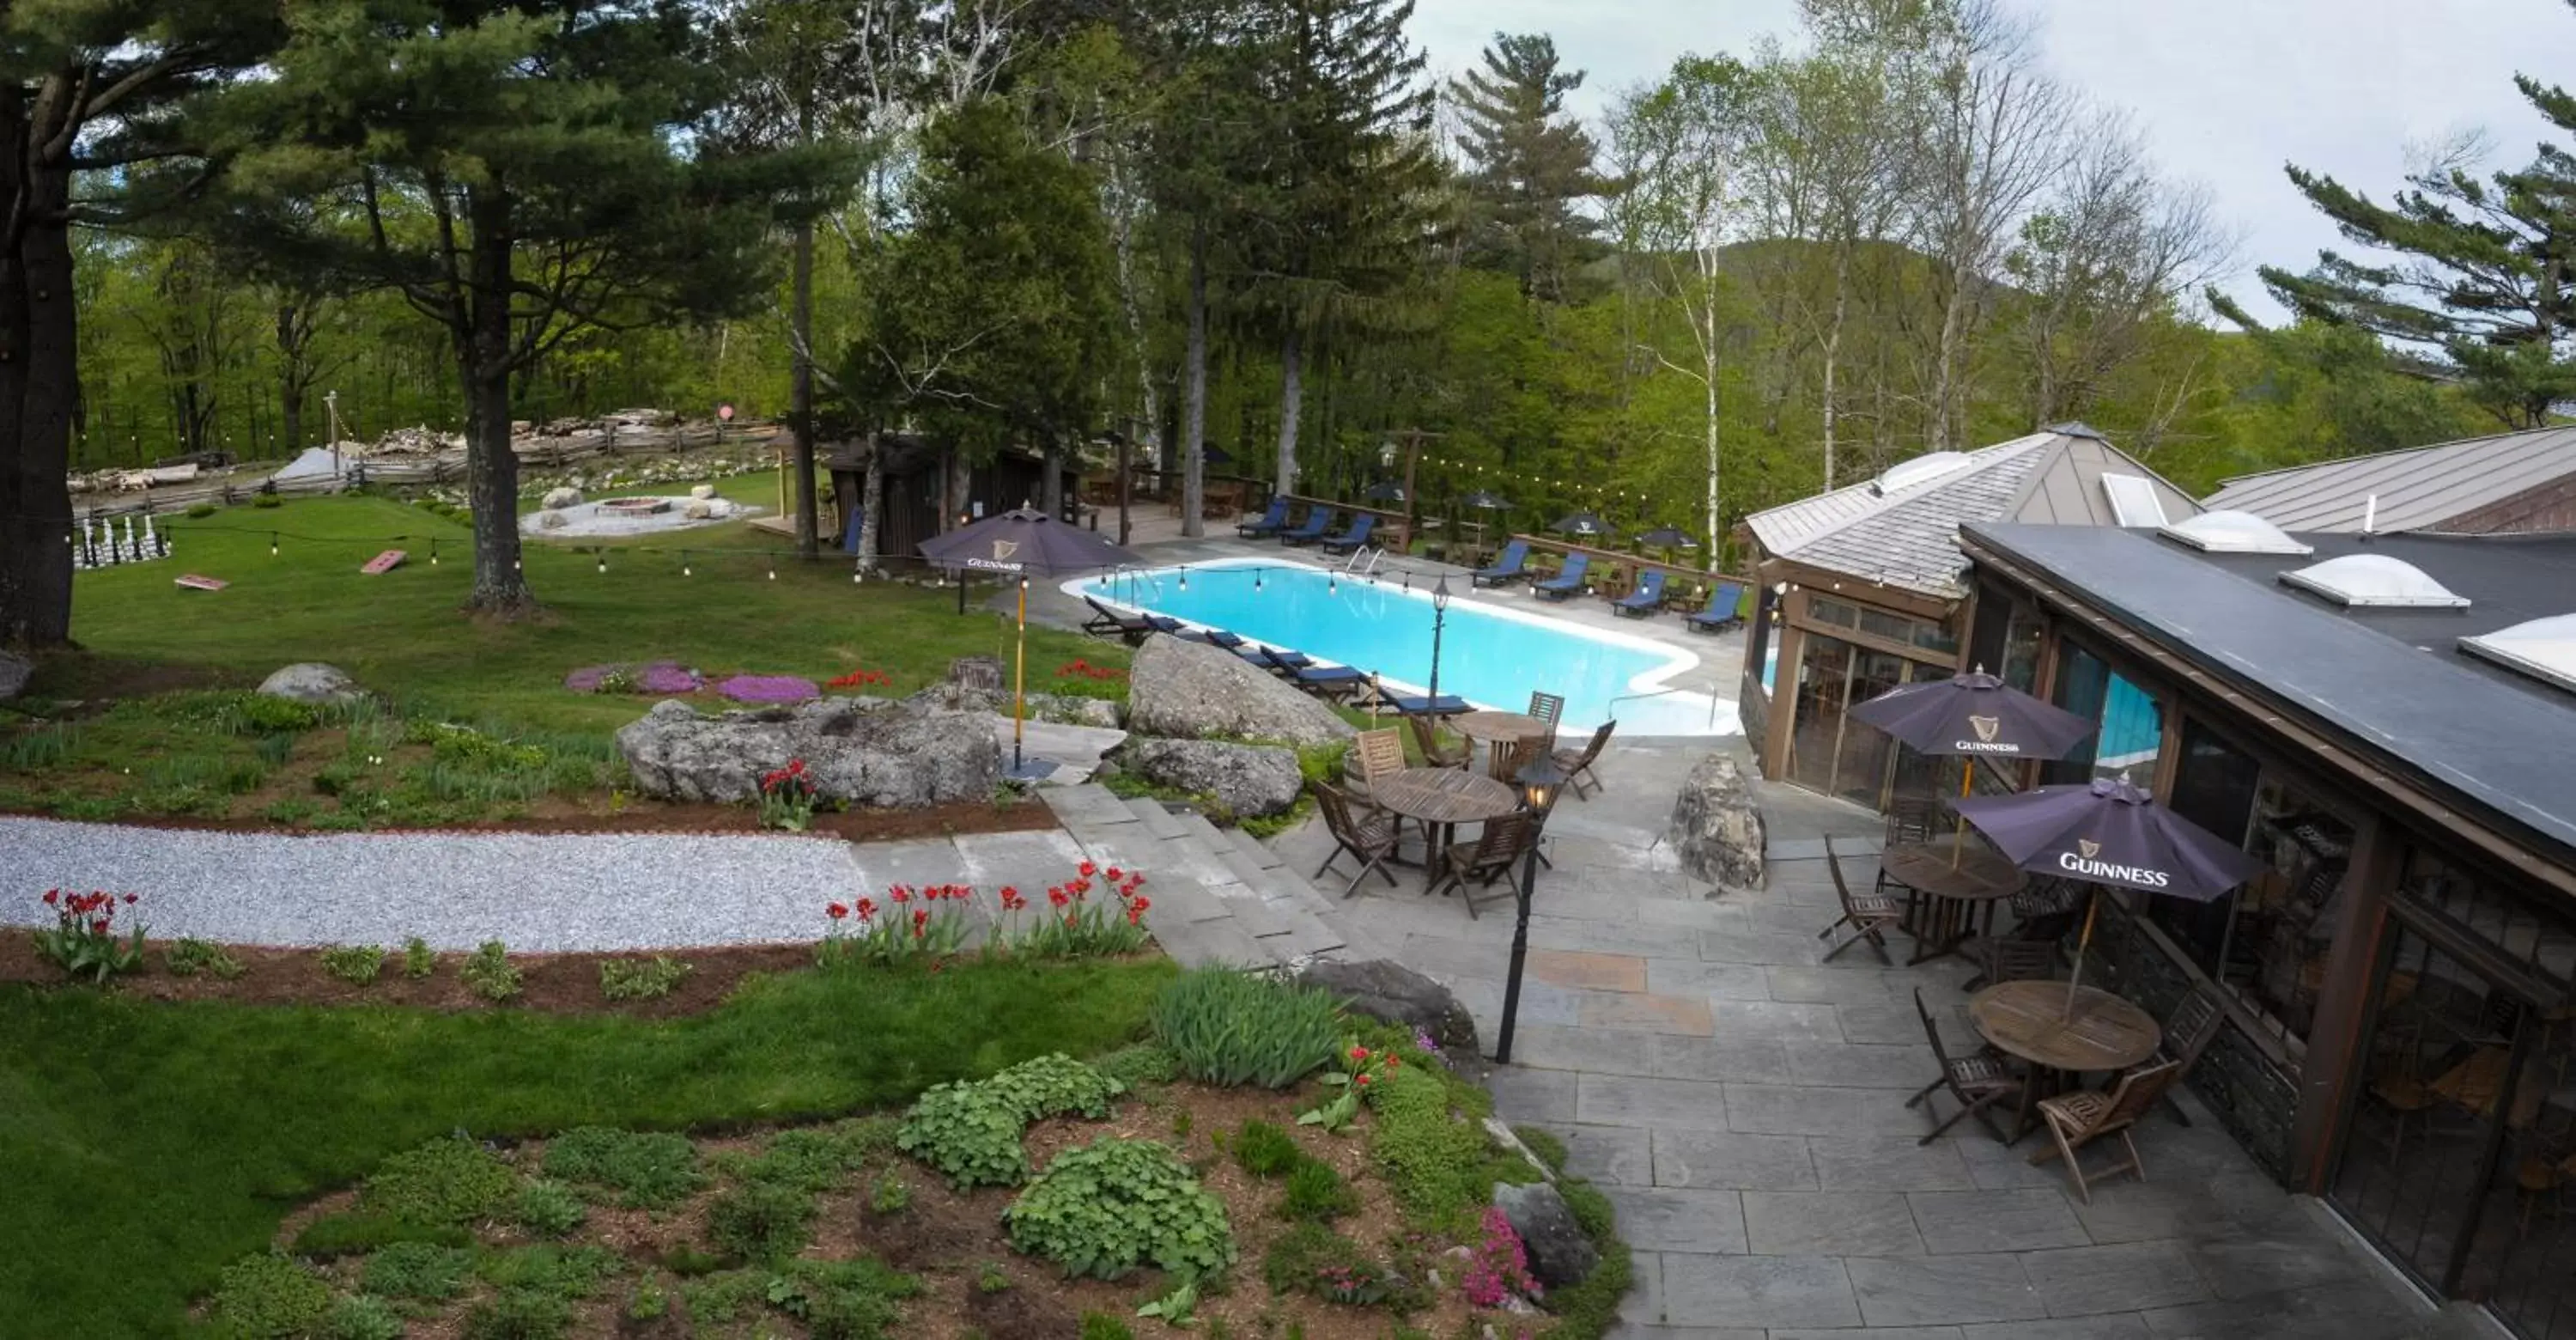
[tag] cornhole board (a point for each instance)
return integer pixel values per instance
(194, 582)
(384, 562)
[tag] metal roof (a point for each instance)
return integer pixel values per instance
(2421, 488)
(1910, 538)
(2391, 683)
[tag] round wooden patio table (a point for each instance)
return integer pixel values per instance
(1498, 730)
(2031, 1020)
(1440, 799)
(1959, 892)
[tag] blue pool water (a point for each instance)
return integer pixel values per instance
(1490, 655)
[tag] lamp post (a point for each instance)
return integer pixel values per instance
(1540, 780)
(1439, 621)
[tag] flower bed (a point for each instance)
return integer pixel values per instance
(769, 689)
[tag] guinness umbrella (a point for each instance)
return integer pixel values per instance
(1580, 523)
(2109, 832)
(1666, 537)
(1974, 716)
(1025, 543)
(1385, 490)
(1486, 502)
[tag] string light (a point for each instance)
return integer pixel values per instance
(1256, 579)
(272, 544)
(433, 553)
(773, 569)
(684, 564)
(1333, 586)
(603, 560)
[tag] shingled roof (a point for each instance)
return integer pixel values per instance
(1908, 536)
(2455, 487)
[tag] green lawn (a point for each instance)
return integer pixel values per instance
(402, 634)
(144, 1146)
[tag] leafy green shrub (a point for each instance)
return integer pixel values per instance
(549, 1209)
(969, 1133)
(265, 714)
(816, 1158)
(842, 1300)
(1112, 1205)
(1265, 1150)
(761, 1221)
(1231, 1028)
(891, 1195)
(1313, 1259)
(1053, 1086)
(1143, 1063)
(519, 1314)
(640, 978)
(354, 964)
(419, 960)
(570, 1273)
(447, 1181)
(418, 1270)
(731, 1296)
(648, 1171)
(363, 1317)
(1436, 1162)
(335, 1235)
(690, 1262)
(267, 1295)
(1102, 1326)
(1316, 1192)
(489, 973)
(288, 811)
(649, 1301)
(187, 958)
(266, 500)
(200, 511)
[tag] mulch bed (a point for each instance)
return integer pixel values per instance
(552, 983)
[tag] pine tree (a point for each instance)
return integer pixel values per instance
(518, 176)
(1529, 163)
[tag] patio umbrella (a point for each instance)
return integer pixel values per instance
(1666, 537)
(1385, 490)
(1486, 502)
(1974, 715)
(1580, 523)
(2109, 832)
(1026, 543)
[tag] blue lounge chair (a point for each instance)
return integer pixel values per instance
(1507, 568)
(1271, 522)
(1332, 681)
(1646, 599)
(1317, 522)
(1109, 622)
(1422, 705)
(1254, 655)
(1353, 538)
(1567, 582)
(1720, 614)
(1164, 623)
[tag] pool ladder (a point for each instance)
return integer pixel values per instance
(1364, 560)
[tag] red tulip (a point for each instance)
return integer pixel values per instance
(836, 911)
(1086, 869)
(129, 900)
(53, 896)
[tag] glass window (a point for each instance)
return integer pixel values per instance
(2020, 664)
(1829, 751)
(1986, 639)
(2214, 786)
(2132, 723)
(1833, 612)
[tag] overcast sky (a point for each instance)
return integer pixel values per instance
(2225, 90)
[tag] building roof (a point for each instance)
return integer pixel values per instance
(2391, 683)
(2422, 488)
(1909, 536)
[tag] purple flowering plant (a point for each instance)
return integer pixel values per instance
(769, 689)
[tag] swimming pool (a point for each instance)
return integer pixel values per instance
(1490, 655)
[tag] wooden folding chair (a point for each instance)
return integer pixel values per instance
(1426, 736)
(1576, 764)
(2189, 1030)
(1979, 1080)
(1869, 915)
(1547, 707)
(2080, 1118)
(1496, 854)
(1367, 834)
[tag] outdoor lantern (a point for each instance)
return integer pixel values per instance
(1386, 453)
(1540, 780)
(1440, 595)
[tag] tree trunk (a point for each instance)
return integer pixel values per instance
(39, 380)
(961, 481)
(1833, 352)
(1194, 426)
(1708, 346)
(1292, 399)
(800, 413)
(1051, 492)
(1150, 404)
(871, 502)
(1945, 363)
(484, 363)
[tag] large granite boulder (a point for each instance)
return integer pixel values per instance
(1191, 690)
(1252, 781)
(1560, 1252)
(311, 682)
(1388, 991)
(1716, 828)
(14, 672)
(557, 499)
(862, 750)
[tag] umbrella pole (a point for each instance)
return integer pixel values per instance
(2092, 908)
(1019, 674)
(1959, 825)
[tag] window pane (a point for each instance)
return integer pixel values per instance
(1833, 612)
(2020, 665)
(2214, 787)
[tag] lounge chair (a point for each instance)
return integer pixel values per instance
(1317, 522)
(1720, 614)
(1646, 599)
(1110, 623)
(1508, 568)
(1332, 681)
(1567, 582)
(1423, 705)
(1353, 538)
(1271, 523)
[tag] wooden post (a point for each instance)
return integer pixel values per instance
(1412, 454)
(1126, 482)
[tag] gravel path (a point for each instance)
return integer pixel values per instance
(455, 890)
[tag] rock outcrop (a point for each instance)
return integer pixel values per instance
(1251, 781)
(865, 751)
(1390, 992)
(14, 673)
(1190, 690)
(1716, 828)
(311, 682)
(1560, 1252)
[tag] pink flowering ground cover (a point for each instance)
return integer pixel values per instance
(769, 689)
(663, 677)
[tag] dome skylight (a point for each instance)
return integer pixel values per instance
(2228, 531)
(2544, 649)
(2374, 581)
(1921, 470)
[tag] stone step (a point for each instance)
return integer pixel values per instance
(1222, 942)
(1159, 822)
(1255, 916)
(1086, 808)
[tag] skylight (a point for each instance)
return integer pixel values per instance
(2133, 500)
(1921, 470)
(2544, 649)
(2374, 581)
(2228, 531)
